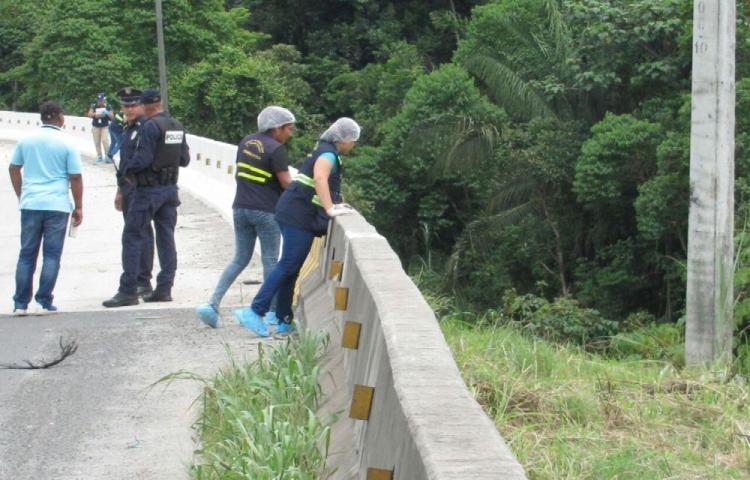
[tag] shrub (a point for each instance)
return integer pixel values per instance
(563, 320)
(655, 341)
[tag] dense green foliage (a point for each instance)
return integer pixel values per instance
(535, 145)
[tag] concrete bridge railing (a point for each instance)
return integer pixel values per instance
(405, 412)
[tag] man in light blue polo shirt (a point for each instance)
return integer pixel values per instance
(50, 167)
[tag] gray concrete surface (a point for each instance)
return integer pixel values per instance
(93, 416)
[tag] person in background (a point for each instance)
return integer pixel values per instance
(303, 212)
(116, 127)
(100, 115)
(262, 172)
(153, 170)
(51, 166)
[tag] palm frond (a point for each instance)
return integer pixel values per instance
(478, 231)
(518, 29)
(471, 146)
(501, 219)
(508, 88)
(467, 143)
(561, 36)
(511, 195)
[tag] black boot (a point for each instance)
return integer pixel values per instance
(158, 296)
(121, 300)
(144, 290)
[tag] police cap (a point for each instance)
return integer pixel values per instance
(101, 96)
(129, 96)
(150, 95)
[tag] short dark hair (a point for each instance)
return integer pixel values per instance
(50, 111)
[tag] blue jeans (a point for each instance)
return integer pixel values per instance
(281, 280)
(38, 225)
(115, 141)
(249, 225)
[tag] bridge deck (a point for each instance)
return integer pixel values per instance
(92, 416)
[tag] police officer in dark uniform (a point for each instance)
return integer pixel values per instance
(130, 99)
(153, 169)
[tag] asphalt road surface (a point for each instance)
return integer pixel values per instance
(96, 414)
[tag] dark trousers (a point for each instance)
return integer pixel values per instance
(146, 263)
(295, 247)
(158, 204)
(38, 225)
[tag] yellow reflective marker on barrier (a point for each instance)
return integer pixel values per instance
(379, 474)
(350, 338)
(311, 263)
(361, 402)
(208, 161)
(342, 298)
(218, 163)
(337, 268)
(230, 169)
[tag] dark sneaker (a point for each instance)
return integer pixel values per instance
(144, 290)
(157, 296)
(121, 300)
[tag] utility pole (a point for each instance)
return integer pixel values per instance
(162, 59)
(710, 293)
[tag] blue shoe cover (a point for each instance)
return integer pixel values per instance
(285, 329)
(271, 319)
(252, 321)
(207, 314)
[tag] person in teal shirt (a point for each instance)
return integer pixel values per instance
(51, 166)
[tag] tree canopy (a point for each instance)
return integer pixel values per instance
(534, 145)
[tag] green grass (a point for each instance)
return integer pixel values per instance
(568, 414)
(259, 419)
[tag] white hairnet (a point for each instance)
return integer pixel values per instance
(343, 130)
(273, 117)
